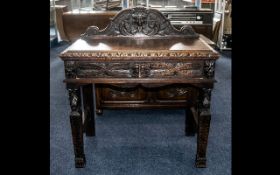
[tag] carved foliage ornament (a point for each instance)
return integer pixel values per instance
(134, 70)
(73, 98)
(140, 21)
(70, 69)
(209, 68)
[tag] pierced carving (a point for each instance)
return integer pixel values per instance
(209, 68)
(140, 21)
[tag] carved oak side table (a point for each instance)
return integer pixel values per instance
(140, 48)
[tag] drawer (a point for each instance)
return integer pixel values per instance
(177, 93)
(122, 94)
(165, 69)
(87, 69)
(103, 70)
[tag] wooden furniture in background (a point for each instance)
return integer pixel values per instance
(148, 61)
(59, 10)
(201, 20)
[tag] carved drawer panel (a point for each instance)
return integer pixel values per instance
(122, 94)
(158, 70)
(101, 70)
(87, 69)
(177, 92)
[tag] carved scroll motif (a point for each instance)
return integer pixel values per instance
(173, 70)
(113, 70)
(140, 21)
(136, 70)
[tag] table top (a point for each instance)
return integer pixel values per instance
(138, 43)
(139, 47)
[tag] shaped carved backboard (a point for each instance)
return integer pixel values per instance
(139, 22)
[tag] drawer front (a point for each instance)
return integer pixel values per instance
(87, 69)
(177, 93)
(164, 70)
(103, 70)
(122, 94)
(141, 95)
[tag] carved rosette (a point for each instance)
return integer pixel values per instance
(209, 68)
(140, 21)
(70, 69)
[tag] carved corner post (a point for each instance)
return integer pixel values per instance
(76, 124)
(204, 117)
(88, 101)
(190, 125)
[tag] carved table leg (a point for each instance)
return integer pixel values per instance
(89, 110)
(98, 92)
(76, 124)
(190, 123)
(204, 117)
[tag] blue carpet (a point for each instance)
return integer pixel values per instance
(140, 142)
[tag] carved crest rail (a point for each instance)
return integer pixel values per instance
(140, 21)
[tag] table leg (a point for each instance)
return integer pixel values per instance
(89, 110)
(204, 117)
(190, 123)
(98, 92)
(76, 124)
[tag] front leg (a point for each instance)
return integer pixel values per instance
(76, 124)
(204, 117)
(190, 125)
(89, 110)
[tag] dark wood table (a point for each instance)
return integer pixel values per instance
(140, 48)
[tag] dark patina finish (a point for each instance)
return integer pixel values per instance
(140, 61)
